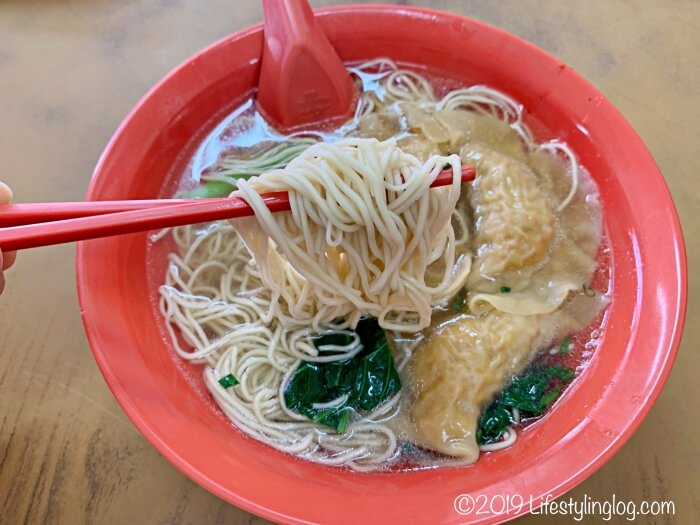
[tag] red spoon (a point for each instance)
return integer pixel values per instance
(42, 224)
(302, 79)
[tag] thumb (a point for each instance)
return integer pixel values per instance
(6, 259)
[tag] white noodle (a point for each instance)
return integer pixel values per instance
(233, 313)
(362, 231)
(555, 147)
(369, 204)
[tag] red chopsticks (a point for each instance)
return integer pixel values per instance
(25, 226)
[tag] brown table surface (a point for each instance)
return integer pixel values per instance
(69, 73)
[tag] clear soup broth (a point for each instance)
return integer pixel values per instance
(517, 324)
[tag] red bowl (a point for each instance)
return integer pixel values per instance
(167, 403)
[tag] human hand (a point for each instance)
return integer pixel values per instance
(7, 259)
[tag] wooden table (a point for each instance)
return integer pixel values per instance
(71, 70)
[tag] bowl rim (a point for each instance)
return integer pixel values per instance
(181, 463)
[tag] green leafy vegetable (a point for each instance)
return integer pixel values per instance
(526, 392)
(336, 418)
(210, 190)
(275, 157)
(531, 393)
(332, 338)
(363, 382)
(565, 344)
(229, 169)
(493, 423)
(228, 381)
(376, 379)
(505, 289)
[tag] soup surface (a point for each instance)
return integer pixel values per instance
(515, 301)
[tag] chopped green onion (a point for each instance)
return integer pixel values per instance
(228, 381)
(564, 347)
(505, 289)
(458, 302)
(588, 291)
(407, 447)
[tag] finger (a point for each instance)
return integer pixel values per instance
(5, 193)
(7, 260)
